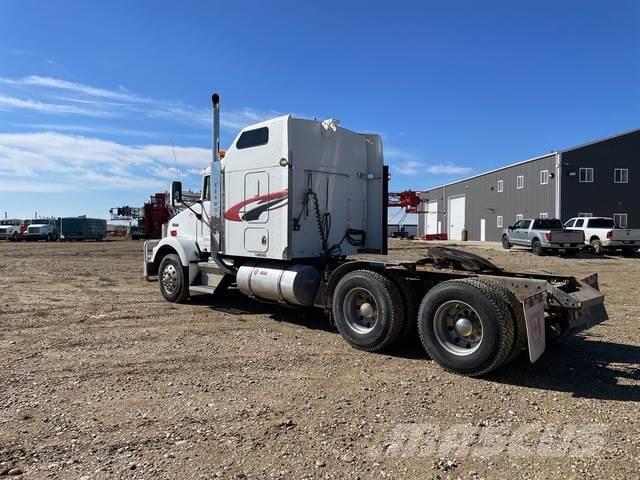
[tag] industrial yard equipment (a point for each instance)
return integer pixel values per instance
(291, 199)
(83, 228)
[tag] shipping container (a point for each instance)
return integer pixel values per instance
(82, 228)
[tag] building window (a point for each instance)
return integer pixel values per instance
(519, 217)
(620, 175)
(544, 215)
(586, 175)
(499, 221)
(544, 177)
(585, 214)
(620, 219)
(520, 182)
(500, 186)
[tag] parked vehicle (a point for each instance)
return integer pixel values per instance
(42, 229)
(296, 198)
(83, 228)
(10, 229)
(602, 235)
(542, 235)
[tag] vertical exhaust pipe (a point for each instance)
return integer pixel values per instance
(216, 222)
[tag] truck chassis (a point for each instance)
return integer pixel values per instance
(470, 316)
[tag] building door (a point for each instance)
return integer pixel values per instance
(456, 217)
(482, 229)
(432, 218)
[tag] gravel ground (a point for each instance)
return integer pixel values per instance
(101, 378)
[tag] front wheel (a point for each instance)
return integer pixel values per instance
(14, 237)
(368, 310)
(466, 326)
(596, 246)
(173, 279)
(505, 242)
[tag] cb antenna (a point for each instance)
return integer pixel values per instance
(175, 160)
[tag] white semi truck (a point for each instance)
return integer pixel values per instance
(287, 205)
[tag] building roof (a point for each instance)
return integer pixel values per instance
(553, 152)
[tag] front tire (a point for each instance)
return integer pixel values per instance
(466, 326)
(505, 242)
(172, 279)
(368, 310)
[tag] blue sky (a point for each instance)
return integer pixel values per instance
(93, 94)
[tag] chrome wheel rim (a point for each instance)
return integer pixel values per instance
(360, 310)
(170, 278)
(458, 328)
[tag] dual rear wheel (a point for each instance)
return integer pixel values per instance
(469, 326)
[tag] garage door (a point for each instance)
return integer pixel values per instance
(456, 217)
(432, 218)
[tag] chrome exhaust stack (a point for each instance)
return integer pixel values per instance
(216, 222)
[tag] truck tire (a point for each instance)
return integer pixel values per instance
(536, 247)
(409, 332)
(172, 279)
(505, 242)
(466, 326)
(596, 246)
(49, 237)
(14, 237)
(368, 310)
(517, 313)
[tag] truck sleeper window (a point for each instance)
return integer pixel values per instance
(253, 138)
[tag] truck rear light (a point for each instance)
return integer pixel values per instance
(610, 234)
(174, 233)
(547, 236)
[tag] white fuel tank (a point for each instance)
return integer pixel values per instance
(296, 284)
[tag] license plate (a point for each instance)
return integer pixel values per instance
(566, 244)
(628, 242)
(534, 321)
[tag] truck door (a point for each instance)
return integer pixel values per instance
(524, 232)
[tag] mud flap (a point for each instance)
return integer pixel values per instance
(533, 307)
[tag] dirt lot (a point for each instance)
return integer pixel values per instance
(101, 378)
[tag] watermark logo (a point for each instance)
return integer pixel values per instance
(486, 440)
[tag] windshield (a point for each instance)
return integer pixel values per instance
(548, 224)
(601, 223)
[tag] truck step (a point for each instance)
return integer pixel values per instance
(210, 267)
(201, 290)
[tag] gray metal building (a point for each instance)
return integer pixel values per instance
(593, 179)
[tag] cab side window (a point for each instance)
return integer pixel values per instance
(206, 188)
(579, 222)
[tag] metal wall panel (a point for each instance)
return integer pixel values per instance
(603, 197)
(483, 201)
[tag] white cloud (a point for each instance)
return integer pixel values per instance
(447, 169)
(49, 161)
(56, 83)
(409, 167)
(9, 102)
(406, 162)
(38, 93)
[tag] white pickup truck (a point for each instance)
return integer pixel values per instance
(603, 236)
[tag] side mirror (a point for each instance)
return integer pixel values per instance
(510, 227)
(176, 193)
